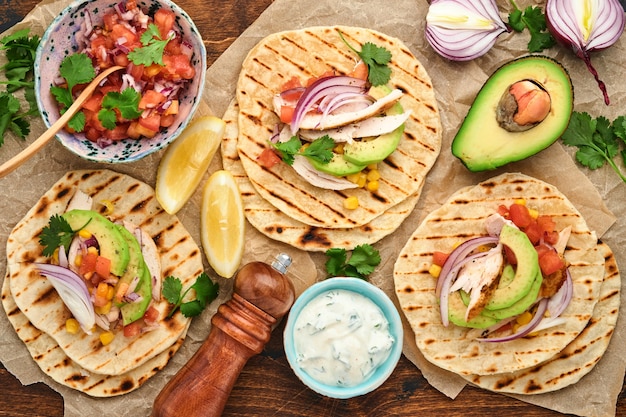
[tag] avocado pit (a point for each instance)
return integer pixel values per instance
(523, 105)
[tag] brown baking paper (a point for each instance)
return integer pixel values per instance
(596, 194)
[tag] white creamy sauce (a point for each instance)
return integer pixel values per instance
(341, 337)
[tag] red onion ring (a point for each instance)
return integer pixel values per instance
(524, 330)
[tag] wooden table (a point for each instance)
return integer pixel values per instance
(267, 386)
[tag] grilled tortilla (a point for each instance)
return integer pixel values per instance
(311, 52)
(579, 357)
(35, 297)
(278, 226)
(462, 217)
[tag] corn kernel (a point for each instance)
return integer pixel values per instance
(434, 270)
(339, 148)
(534, 213)
(152, 70)
(92, 249)
(362, 180)
(78, 260)
(108, 207)
(354, 178)
(72, 326)
(373, 175)
(85, 234)
(520, 201)
(373, 167)
(351, 203)
(103, 309)
(106, 338)
(110, 292)
(524, 318)
(102, 290)
(372, 186)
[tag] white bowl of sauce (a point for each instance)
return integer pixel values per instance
(343, 337)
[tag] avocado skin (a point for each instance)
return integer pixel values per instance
(113, 245)
(481, 144)
(525, 273)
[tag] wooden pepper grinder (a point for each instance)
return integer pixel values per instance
(240, 329)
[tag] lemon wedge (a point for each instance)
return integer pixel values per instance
(222, 223)
(186, 160)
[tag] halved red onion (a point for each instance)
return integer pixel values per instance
(73, 291)
(321, 88)
(586, 26)
(462, 30)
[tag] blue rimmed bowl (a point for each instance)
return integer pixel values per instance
(380, 299)
(60, 40)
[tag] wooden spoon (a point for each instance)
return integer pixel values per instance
(34, 147)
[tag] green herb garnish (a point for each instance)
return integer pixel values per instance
(152, 50)
(596, 140)
(364, 259)
(376, 58)
(206, 291)
(57, 233)
(127, 102)
(534, 19)
(321, 149)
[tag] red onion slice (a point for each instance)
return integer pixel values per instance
(524, 330)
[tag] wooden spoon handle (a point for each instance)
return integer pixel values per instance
(34, 147)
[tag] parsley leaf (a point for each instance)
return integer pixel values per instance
(206, 291)
(127, 102)
(364, 259)
(534, 19)
(152, 50)
(321, 149)
(376, 58)
(57, 233)
(595, 139)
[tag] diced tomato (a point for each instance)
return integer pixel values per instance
(151, 315)
(88, 263)
(550, 262)
(151, 122)
(103, 266)
(503, 211)
(510, 255)
(121, 60)
(92, 134)
(268, 158)
(311, 80)
(439, 258)
(164, 19)
(110, 20)
(118, 133)
(122, 34)
(360, 71)
(520, 215)
(172, 109)
(292, 83)
(132, 329)
(177, 67)
(94, 103)
(534, 232)
(150, 99)
(167, 120)
(286, 113)
(136, 71)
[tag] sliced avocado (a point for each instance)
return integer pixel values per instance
(134, 311)
(456, 314)
(136, 263)
(525, 273)
(373, 151)
(337, 166)
(482, 144)
(519, 306)
(507, 275)
(113, 245)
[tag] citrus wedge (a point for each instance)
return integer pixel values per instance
(222, 223)
(186, 160)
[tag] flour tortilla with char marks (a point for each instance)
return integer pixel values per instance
(55, 363)
(579, 357)
(278, 226)
(133, 201)
(311, 52)
(462, 217)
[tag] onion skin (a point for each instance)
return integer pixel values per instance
(462, 30)
(597, 27)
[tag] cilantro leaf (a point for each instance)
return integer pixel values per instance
(534, 19)
(127, 102)
(57, 233)
(108, 118)
(152, 50)
(321, 149)
(376, 58)
(77, 69)
(62, 96)
(595, 139)
(362, 262)
(77, 122)
(11, 118)
(206, 291)
(619, 127)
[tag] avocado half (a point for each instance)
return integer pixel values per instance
(482, 144)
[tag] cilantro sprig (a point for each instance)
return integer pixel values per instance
(206, 291)
(597, 140)
(362, 262)
(376, 58)
(153, 46)
(57, 233)
(320, 149)
(19, 49)
(533, 18)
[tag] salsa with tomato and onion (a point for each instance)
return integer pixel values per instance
(158, 84)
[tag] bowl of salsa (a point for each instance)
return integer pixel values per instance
(138, 109)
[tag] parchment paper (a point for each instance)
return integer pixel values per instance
(598, 195)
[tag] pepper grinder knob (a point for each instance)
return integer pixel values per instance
(241, 328)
